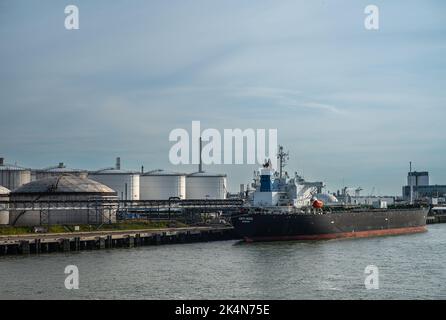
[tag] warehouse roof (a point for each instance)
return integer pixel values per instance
(206, 174)
(11, 167)
(112, 171)
(161, 172)
(61, 168)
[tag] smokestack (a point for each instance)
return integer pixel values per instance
(118, 163)
(410, 183)
(142, 169)
(200, 166)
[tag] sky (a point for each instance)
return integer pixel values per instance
(352, 106)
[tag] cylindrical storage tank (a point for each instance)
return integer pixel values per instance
(79, 201)
(12, 176)
(162, 185)
(201, 185)
(57, 171)
(125, 183)
(4, 213)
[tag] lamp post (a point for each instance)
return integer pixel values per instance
(170, 199)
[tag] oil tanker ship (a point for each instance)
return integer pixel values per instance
(283, 208)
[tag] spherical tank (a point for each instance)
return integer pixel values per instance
(68, 192)
(4, 213)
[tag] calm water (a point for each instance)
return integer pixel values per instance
(411, 266)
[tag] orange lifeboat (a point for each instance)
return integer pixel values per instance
(317, 204)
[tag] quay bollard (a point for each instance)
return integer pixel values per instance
(130, 241)
(77, 244)
(37, 246)
(109, 242)
(101, 243)
(138, 240)
(24, 247)
(65, 245)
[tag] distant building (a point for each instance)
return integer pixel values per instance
(416, 179)
(419, 183)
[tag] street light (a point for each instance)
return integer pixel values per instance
(170, 199)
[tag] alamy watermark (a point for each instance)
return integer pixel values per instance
(372, 277)
(72, 18)
(72, 280)
(222, 148)
(371, 21)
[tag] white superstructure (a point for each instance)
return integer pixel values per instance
(276, 189)
(271, 190)
(162, 185)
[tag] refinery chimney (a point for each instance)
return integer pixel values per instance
(200, 166)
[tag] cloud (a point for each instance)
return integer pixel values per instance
(339, 95)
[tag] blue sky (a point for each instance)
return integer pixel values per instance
(352, 106)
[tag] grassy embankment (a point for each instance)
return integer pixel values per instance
(124, 225)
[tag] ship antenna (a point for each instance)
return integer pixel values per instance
(283, 157)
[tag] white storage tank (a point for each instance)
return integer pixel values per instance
(57, 171)
(4, 214)
(202, 185)
(125, 183)
(162, 185)
(13, 176)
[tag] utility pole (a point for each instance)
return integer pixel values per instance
(200, 165)
(410, 182)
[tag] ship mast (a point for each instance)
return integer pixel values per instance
(283, 157)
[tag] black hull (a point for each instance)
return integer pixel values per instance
(345, 224)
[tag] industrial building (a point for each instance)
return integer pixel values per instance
(353, 196)
(56, 171)
(202, 185)
(4, 214)
(125, 183)
(371, 200)
(28, 202)
(418, 187)
(162, 185)
(13, 176)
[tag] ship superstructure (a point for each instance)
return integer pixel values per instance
(277, 189)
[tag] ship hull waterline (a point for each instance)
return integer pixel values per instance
(286, 227)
